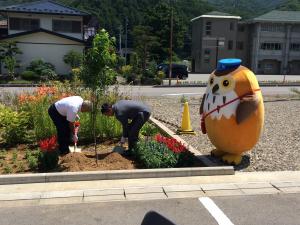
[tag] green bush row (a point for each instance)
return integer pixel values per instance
(157, 155)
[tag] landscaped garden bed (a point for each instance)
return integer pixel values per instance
(28, 145)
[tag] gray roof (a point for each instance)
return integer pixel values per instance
(277, 16)
(217, 13)
(43, 7)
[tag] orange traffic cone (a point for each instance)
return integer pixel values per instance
(186, 127)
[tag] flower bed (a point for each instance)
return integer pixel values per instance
(29, 145)
(164, 152)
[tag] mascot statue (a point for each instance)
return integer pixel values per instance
(232, 110)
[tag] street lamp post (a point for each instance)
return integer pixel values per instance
(219, 44)
(126, 23)
(171, 44)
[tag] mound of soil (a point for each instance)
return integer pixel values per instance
(86, 161)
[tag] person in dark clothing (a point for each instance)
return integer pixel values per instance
(125, 110)
(63, 114)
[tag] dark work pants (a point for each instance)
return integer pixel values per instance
(134, 128)
(62, 128)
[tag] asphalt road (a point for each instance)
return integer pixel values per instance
(244, 210)
(166, 91)
(204, 77)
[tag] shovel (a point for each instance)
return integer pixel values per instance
(75, 149)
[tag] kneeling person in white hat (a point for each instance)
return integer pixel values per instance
(63, 114)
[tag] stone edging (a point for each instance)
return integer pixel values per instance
(113, 175)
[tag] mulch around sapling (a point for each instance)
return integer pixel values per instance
(107, 159)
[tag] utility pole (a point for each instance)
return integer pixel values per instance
(217, 51)
(171, 44)
(120, 41)
(126, 23)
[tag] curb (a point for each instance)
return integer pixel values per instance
(263, 84)
(21, 85)
(114, 175)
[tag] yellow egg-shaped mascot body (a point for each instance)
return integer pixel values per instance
(232, 110)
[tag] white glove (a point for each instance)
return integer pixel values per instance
(75, 138)
(123, 140)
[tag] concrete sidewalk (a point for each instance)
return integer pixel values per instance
(241, 183)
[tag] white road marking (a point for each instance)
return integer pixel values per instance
(215, 211)
(182, 94)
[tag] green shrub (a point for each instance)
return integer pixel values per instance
(13, 125)
(49, 74)
(106, 127)
(34, 153)
(48, 160)
(155, 155)
(14, 156)
(42, 69)
(21, 167)
(33, 162)
(29, 75)
(149, 130)
(3, 154)
(73, 59)
(7, 169)
(42, 124)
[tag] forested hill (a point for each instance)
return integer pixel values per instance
(246, 8)
(154, 16)
(290, 5)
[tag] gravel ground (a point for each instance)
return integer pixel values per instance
(277, 150)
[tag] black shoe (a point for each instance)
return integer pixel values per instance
(127, 153)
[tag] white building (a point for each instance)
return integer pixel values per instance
(45, 30)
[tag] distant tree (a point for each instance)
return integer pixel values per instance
(144, 42)
(10, 64)
(8, 52)
(290, 5)
(159, 18)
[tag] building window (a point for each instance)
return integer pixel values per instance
(270, 46)
(208, 28)
(66, 26)
(240, 45)
(24, 24)
(206, 60)
(231, 26)
(268, 66)
(206, 52)
(272, 27)
(241, 28)
(230, 45)
(295, 47)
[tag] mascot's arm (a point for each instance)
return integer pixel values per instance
(246, 107)
(202, 104)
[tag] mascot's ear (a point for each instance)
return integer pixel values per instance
(202, 104)
(246, 107)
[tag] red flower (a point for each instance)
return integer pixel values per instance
(171, 143)
(76, 123)
(48, 145)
